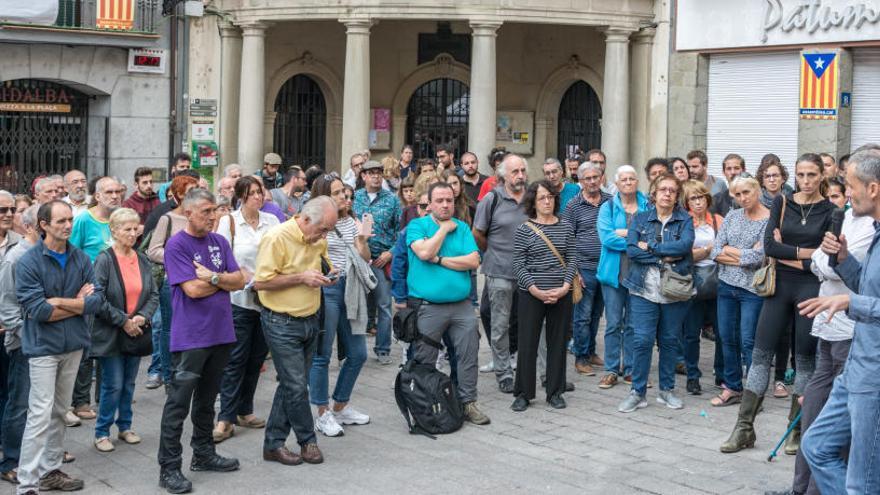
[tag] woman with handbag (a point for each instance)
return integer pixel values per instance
(243, 228)
(545, 266)
(346, 240)
(121, 333)
(738, 251)
(795, 229)
(697, 200)
(660, 282)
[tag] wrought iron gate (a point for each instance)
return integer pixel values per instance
(579, 120)
(300, 122)
(43, 131)
(438, 114)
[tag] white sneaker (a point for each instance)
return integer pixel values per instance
(487, 368)
(326, 424)
(351, 416)
(71, 419)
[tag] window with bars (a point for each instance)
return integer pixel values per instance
(579, 123)
(300, 122)
(438, 114)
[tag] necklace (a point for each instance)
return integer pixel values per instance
(804, 217)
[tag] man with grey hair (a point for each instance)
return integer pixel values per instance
(849, 417)
(201, 272)
(233, 171)
(76, 185)
(226, 187)
(45, 190)
(291, 269)
(582, 213)
(597, 157)
(498, 216)
(355, 163)
(555, 175)
(17, 377)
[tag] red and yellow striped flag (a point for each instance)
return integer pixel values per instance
(819, 86)
(116, 14)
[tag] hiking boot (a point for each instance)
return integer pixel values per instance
(693, 387)
(473, 414)
(326, 424)
(174, 481)
(520, 404)
(58, 480)
(608, 381)
(556, 402)
(793, 442)
(311, 454)
(632, 402)
(582, 365)
(506, 385)
(743, 435)
(668, 397)
(213, 462)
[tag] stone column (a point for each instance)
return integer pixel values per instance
(640, 87)
(230, 67)
(615, 98)
(356, 99)
(252, 97)
(483, 92)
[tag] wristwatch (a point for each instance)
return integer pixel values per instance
(439, 260)
(215, 278)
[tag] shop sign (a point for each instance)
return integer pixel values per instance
(15, 99)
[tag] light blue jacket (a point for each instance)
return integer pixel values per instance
(612, 216)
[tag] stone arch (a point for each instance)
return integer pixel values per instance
(550, 96)
(331, 86)
(443, 66)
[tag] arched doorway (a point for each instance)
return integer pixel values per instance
(578, 125)
(300, 130)
(43, 131)
(437, 113)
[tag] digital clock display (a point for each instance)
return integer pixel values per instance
(147, 60)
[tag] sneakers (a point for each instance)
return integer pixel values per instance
(669, 398)
(384, 359)
(632, 402)
(104, 444)
(71, 420)
(213, 462)
(506, 386)
(608, 381)
(326, 424)
(153, 382)
(693, 387)
(520, 404)
(351, 416)
(58, 480)
(174, 481)
(474, 415)
(488, 368)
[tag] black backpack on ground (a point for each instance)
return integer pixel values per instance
(427, 399)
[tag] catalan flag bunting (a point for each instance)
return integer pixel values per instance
(819, 86)
(116, 14)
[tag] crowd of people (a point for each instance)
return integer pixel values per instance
(289, 261)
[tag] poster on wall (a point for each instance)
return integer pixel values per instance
(514, 130)
(380, 129)
(205, 154)
(115, 14)
(819, 86)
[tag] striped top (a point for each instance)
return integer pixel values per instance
(582, 215)
(535, 264)
(336, 250)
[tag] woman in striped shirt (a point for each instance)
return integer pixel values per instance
(543, 297)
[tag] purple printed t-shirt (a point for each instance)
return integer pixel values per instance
(207, 321)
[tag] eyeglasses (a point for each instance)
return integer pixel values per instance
(8, 209)
(771, 176)
(693, 199)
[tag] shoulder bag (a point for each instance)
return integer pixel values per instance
(673, 285)
(764, 280)
(577, 289)
(142, 345)
(706, 277)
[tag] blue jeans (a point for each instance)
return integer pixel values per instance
(164, 332)
(292, 342)
(587, 314)
(382, 293)
(155, 368)
(847, 418)
(698, 311)
(738, 311)
(117, 390)
(15, 414)
(336, 325)
(242, 372)
(618, 330)
(660, 322)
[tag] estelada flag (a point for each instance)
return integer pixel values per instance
(116, 14)
(819, 86)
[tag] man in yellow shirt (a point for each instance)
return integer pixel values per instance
(288, 278)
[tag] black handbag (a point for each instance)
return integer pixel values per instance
(142, 345)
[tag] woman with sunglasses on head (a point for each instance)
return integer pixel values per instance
(346, 240)
(794, 231)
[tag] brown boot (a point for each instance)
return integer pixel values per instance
(743, 436)
(793, 442)
(311, 454)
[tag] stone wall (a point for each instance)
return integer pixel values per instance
(688, 102)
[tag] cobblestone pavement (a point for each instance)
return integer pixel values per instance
(587, 448)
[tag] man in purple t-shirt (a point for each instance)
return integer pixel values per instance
(202, 272)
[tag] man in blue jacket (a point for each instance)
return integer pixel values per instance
(54, 283)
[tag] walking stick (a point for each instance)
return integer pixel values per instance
(787, 433)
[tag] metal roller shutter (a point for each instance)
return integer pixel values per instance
(753, 108)
(865, 97)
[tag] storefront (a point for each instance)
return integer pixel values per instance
(787, 77)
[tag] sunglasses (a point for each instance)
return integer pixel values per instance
(7, 209)
(424, 206)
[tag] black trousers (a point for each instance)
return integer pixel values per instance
(780, 310)
(486, 319)
(533, 314)
(195, 378)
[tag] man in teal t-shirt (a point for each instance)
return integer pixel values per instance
(442, 253)
(91, 228)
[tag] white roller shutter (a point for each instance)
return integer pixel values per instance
(865, 97)
(753, 108)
